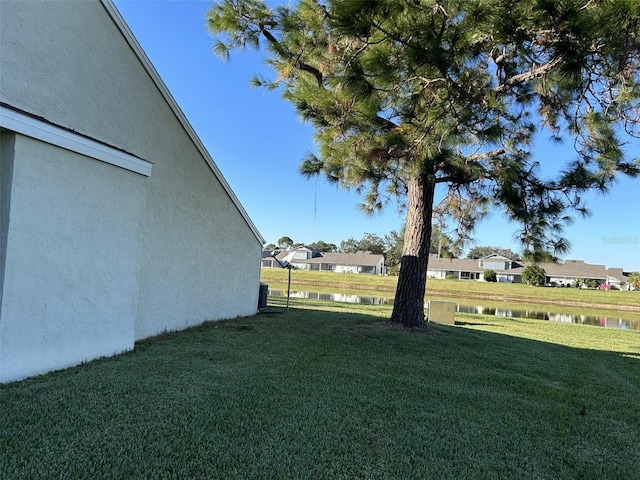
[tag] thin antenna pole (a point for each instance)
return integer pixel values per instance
(315, 201)
(288, 287)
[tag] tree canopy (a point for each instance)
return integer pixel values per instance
(481, 252)
(322, 246)
(369, 242)
(407, 96)
(285, 242)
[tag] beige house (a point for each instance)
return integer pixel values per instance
(307, 259)
(507, 270)
(115, 222)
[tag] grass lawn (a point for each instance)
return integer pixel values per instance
(332, 391)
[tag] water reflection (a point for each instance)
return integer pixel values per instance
(600, 320)
(334, 297)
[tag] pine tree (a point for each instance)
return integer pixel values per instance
(409, 95)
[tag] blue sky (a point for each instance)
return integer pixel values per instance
(257, 141)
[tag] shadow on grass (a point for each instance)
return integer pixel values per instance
(475, 324)
(332, 391)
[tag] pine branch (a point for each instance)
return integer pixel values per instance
(455, 179)
(482, 156)
(535, 72)
(386, 124)
(295, 62)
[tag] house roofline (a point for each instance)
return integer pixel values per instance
(33, 126)
(117, 18)
(567, 269)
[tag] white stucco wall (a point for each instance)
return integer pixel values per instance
(199, 256)
(7, 141)
(70, 289)
(200, 260)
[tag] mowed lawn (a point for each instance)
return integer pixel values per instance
(333, 391)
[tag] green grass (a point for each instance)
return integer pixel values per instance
(384, 286)
(332, 391)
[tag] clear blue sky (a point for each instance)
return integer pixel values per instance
(257, 141)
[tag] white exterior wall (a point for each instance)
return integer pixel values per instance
(70, 292)
(380, 267)
(298, 265)
(561, 279)
(198, 255)
(441, 274)
(347, 269)
(7, 140)
(200, 260)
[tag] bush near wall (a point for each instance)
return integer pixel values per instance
(490, 276)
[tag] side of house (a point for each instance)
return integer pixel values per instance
(115, 222)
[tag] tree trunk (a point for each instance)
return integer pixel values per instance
(408, 306)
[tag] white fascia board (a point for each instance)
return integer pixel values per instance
(117, 18)
(49, 133)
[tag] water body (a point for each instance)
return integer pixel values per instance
(538, 313)
(334, 297)
(607, 321)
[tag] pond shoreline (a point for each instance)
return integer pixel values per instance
(338, 286)
(541, 301)
(553, 313)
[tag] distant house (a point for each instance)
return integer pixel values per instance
(308, 259)
(568, 272)
(115, 222)
(506, 269)
(510, 271)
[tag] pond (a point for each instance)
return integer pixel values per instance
(610, 320)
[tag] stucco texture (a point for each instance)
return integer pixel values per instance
(71, 272)
(197, 258)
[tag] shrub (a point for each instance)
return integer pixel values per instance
(490, 276)
(534, 275)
